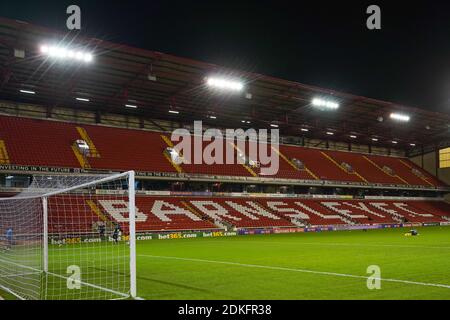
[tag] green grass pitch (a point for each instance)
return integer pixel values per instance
(266, 266)
(326, 265)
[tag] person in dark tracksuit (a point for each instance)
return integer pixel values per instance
(116, 233)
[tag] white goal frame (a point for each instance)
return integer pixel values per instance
(130, 176)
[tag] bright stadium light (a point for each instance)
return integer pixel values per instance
(224, 84)
(27, 91)
(66, 53)
(131, 106)
(328, 104)
(400, 117)
(83, 99)
(88, 57)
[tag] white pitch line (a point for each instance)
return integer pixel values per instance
(344, 244)
(446, 286)
(368, 245)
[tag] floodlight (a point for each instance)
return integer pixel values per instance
(66, 53)
(374, 139)
(174, 111)
(225, 84)
(353, 136)
(131, 106)
(394, 142)
(87, 57)
(274, 125)
(79, 55)
(328, 104)
(83, 99)
(304, 129)
(316, 102)
(400, 117)
(330, 133)
(27, 91)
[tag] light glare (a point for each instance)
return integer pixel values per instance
(66, 53)
(400, 117)
(28, 91)
(317, 102)
(87, 57)
(225, 84)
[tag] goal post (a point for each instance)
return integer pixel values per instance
(70, 237)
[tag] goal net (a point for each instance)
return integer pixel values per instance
(70, 237)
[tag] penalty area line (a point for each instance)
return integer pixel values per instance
(237, 264)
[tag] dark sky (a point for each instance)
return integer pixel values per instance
(314, 42)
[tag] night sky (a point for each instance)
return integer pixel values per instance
(320, 43)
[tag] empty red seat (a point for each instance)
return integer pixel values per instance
(77, 214)
(31, 142)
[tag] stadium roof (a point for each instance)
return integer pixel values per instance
(156, 83)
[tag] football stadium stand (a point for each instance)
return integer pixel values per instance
(346, 167)
(49, 143)
(201, 213)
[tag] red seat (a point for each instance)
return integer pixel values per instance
(32, 142)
